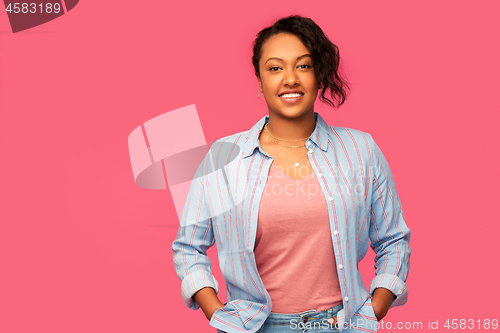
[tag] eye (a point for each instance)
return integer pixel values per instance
(273, 69)
(304, 66)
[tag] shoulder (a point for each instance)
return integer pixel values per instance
(235, 142)
(237, 138)
(228, 148)
(349, 137)
(351, 146)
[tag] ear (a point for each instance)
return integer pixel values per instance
(260, 84)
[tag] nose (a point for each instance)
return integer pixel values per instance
(290, 78)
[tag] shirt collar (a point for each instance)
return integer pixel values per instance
(319, 136)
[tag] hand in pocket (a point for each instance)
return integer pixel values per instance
(332, 321)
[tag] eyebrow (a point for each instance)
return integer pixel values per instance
(279, 59)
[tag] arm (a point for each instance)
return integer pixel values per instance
(381, 301)
(389, 238)
(195, 236)
(208, 301)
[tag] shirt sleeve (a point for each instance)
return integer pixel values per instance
(194, 238)
(389, 234)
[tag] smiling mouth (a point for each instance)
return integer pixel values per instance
(292, 95)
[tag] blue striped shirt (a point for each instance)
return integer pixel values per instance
(222, 208)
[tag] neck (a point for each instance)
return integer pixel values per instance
(291, 128)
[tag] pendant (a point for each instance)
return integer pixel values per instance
(296, 164)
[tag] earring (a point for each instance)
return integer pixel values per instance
(260, 93)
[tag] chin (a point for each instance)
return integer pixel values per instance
(294, 112)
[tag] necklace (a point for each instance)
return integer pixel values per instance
(296, 163)
(283, 144)
(265, 127)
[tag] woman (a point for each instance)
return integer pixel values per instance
(289, 252)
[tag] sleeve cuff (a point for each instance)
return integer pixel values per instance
(195, 281)
(392, 283)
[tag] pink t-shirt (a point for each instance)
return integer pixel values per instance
(293, 246)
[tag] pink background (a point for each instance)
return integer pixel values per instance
(84, 249)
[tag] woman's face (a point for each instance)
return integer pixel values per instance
(287, 76)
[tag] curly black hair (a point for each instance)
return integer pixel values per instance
(325, 54)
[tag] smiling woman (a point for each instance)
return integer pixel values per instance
(295, 211)
(286, 78)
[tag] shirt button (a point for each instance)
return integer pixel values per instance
(335, 232)
(341, 266)
(310, 150)
(330, 199)
(346, 298)
(320, 175)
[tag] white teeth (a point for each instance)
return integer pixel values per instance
(290, 95)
